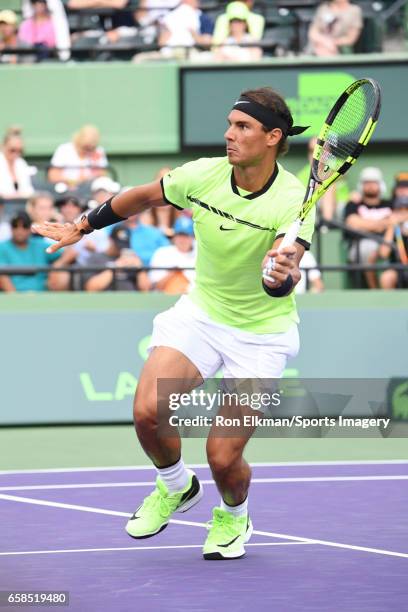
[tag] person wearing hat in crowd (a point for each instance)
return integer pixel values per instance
(102, 188)
(397, 232)
(22, 249)
(174, 258)
(238, 34)
(38, 30)
(369, 213)
(256, 22)
(9, 39)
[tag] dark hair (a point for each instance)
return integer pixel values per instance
(67, 198)
(20, 218)
(271, 99)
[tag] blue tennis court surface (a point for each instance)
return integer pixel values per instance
(328, 537)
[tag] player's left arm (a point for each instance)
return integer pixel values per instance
(286, 263)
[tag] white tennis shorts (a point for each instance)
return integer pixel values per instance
(210, 345)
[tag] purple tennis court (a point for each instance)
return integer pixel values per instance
(328, 537)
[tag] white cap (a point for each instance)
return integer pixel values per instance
(105, 183)
(371, 174)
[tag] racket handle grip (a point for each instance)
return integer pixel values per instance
(288, 239)
(291, 235)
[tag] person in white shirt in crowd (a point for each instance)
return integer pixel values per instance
(80, 160)
(15, 173)
(312, 279)
(185, 26)
(238, 34)
(173, 258)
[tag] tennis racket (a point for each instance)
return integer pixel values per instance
(342, 138)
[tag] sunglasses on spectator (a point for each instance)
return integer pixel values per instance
(14, 150)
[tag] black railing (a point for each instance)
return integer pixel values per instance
(78, 271)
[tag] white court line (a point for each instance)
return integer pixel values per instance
(103, 485)
(118, 468)
(269, 534)
(126, 548)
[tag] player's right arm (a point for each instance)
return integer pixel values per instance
(122, 206)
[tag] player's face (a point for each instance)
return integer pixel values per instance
(247, 142)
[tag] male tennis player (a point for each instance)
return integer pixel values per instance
(242, 205)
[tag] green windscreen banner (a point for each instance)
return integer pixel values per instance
(208, 94)
(77, 358)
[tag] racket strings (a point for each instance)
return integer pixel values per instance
(346, 130)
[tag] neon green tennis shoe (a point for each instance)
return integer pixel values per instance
(154, 514)
(227, 536)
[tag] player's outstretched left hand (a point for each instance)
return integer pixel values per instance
(63, 233)
(284, 264)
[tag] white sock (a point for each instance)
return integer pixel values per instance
(237, 511)
(174, 477)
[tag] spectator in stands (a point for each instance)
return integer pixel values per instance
(391, 279)
(256, 23)
(180, 254)
(150, 12)
(238, 34)
(5, 229)
(83, 253)
(69, 207)
(312, 280)
(102, 189)
(80, 160)
(370, 213)
(38, 30)
(9, 39)
(112, 24)
(335, 28)
(40, 208)
(185, 26)
(143, 239)
(24, 250)
(59, 24)
(334, 200)
(15, 173)
(107, 280)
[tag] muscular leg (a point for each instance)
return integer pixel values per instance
(225, 446)
(163, 363)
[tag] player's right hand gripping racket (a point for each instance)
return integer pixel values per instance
(343, 137)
